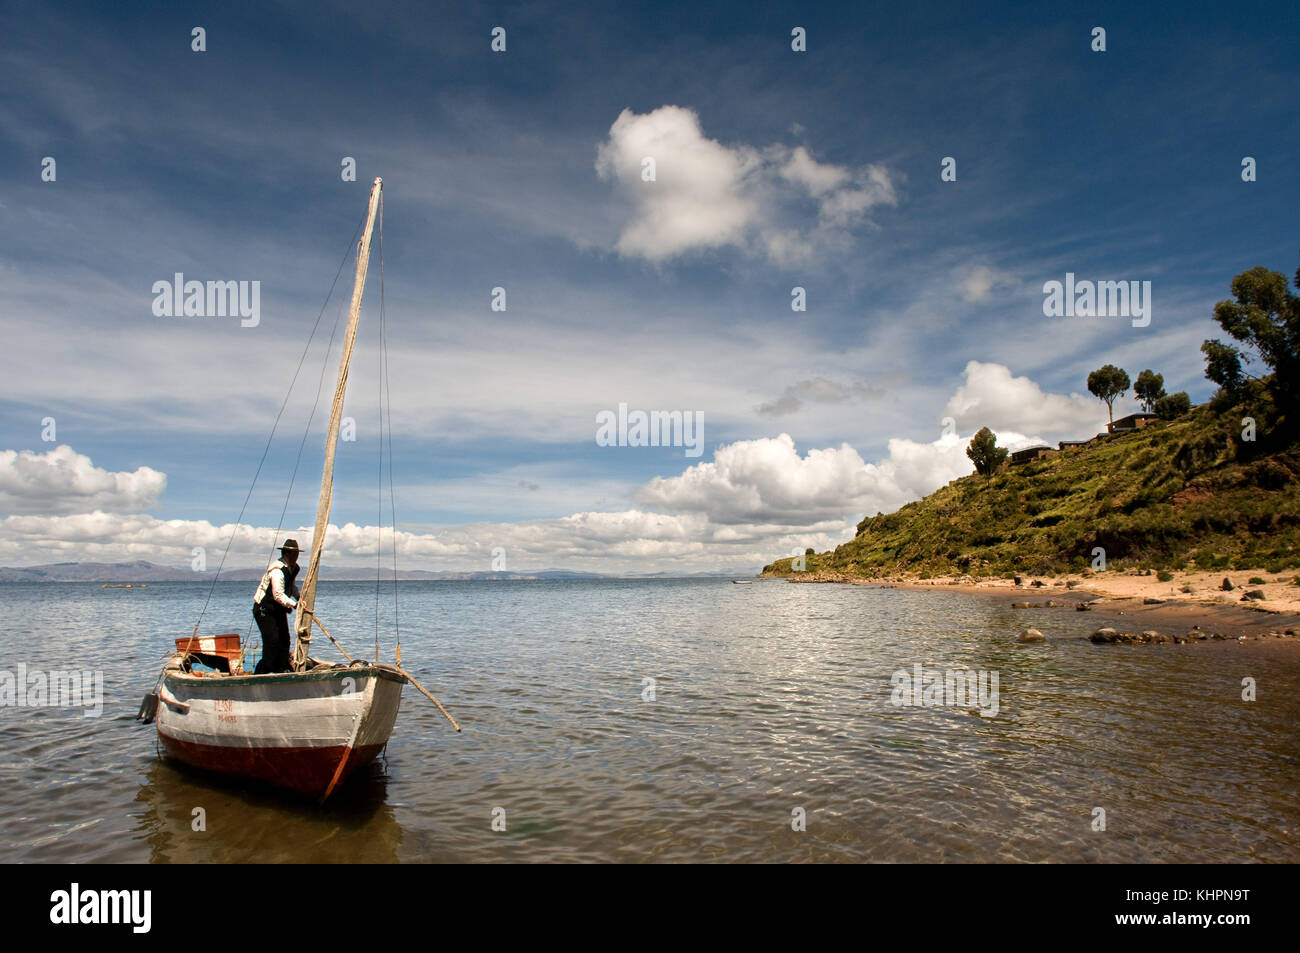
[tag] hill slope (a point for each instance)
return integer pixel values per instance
(1176, 494)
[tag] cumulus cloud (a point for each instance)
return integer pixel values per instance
(818, 390)
(706, 195)
(757, 500)
(991, 397)
(627, 541)
(699, 197)
(754, 501)
(767, 481)
(64, 481)
(632, 540)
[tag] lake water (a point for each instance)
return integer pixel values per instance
(768, 700)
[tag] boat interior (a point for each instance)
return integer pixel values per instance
(222, 655)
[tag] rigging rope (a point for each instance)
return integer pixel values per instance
(283, 404)
(293, 477)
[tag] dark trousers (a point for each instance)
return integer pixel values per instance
(274, 627)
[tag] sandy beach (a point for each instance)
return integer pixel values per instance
(1189, 599)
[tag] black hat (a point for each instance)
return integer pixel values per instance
(290, 546)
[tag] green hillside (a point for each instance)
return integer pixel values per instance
(1187, 493)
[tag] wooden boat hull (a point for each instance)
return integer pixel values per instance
(307, 732)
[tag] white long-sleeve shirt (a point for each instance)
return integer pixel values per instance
(274, 577)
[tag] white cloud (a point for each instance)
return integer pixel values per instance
(913, 470)
(978, 283)
(767, 481)
(846, 205)
(706, 195)
(816, 177)
(64, 481)
(698, 198)
(991, 397)
(628, 541)
(755, 500)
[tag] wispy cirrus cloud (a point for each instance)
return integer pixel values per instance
(819, 390)
(979, 282)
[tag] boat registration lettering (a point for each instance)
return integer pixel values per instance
(223, 707)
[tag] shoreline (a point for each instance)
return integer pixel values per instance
(1144, 602)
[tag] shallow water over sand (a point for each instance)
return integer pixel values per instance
(766, 699)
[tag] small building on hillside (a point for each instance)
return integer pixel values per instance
(1031, 453)
(1131, 422)
(1073, 444)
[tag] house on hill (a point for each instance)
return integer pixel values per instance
(1031, 453)
(1073, 444)
(1131, 422)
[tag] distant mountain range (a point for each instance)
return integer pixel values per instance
(141, 571)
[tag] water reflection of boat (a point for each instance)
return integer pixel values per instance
(243, 823)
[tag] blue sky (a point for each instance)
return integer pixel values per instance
(776, 169)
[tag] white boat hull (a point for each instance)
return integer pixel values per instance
(307, 732)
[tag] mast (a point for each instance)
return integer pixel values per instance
(307, 597)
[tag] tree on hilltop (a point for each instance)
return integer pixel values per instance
(1173, 405)
(1265, 317)
(1149, 388)
(1107, 384)
(985, 453)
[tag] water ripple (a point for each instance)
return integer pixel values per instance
(767, 701)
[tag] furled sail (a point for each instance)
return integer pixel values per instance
(307, 597)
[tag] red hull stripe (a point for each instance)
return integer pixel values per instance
(314, 772)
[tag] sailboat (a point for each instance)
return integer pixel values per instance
(307, 730)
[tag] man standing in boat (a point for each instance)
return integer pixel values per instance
(276, 597)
